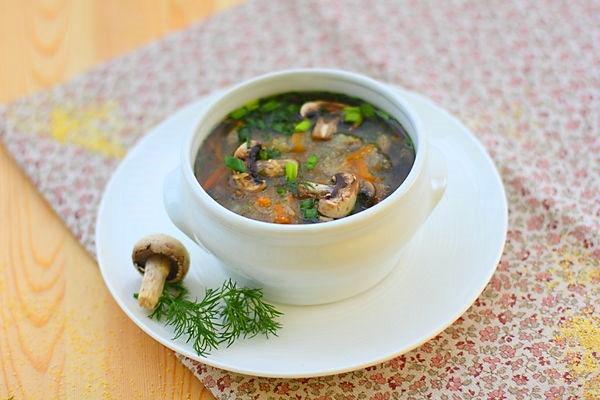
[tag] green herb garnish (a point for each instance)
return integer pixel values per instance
(221, 316)
(353, 114)
(293, 109)
(281, 190)
(251, 105)
(243, 134)
(267, 154)
(285, 127)
(383, 115)
(311, 162)
(235, 164)
(270, 105)
(291, 171)
(291, 186)
(245, 314)
(367, 110)
(303, 125)
(308, 208)
(239, 113)
(197, 321)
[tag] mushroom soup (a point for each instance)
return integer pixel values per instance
(304, 157)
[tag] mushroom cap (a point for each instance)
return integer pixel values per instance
(312, 107)
(164, 245)
(343, 196)
(243, 149)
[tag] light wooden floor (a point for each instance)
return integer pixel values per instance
(61, 334)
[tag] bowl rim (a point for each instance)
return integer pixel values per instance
(235, 220)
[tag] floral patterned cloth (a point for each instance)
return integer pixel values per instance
(524, 76)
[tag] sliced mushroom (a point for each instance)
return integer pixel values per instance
(159, 258)
(324, 128)
(243, 149)
(336, 200)
(312, 107)
(314, 190)
(325, 219)
(367, 193)
(342, 199)
(273, 167)
(384, 143)
(249, 183)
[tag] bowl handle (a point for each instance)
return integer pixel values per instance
(438, 173)
(174, 204)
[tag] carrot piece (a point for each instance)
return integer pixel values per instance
(281, 216)
(214, 177)
(263, 202)
(218, 150)
(297, 142)
(357, 161)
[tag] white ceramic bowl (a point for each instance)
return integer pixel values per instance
(315, 263)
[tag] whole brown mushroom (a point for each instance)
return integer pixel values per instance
(159, 258)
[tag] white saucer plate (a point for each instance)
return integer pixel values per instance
(443, 270)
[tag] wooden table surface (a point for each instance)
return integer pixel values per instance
(61, 334)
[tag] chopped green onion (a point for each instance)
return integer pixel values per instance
(385, 116)
(353, 114)
(243, 134)
(287, 128)
(292, 187)
(266, 154)
(251, 105)
(273, 153)
(293, 108)
(239, 113)
(311, 213)
(270, 105)
(291, 171)
(235, 164)
(311, 162)
(279, 127)
(367, 110)
(308, 209)
(303, 125)
(281, 191)
(306, 203)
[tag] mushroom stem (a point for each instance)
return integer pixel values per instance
(324, 130)
(155, 275)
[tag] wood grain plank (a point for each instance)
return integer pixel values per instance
(61, 334)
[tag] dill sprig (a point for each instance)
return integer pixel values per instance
(245, 314)
(221, 316)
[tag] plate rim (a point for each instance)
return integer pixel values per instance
(332, 371)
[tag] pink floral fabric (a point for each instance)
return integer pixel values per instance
(523, 76)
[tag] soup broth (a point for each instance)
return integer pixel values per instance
(304, 157)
